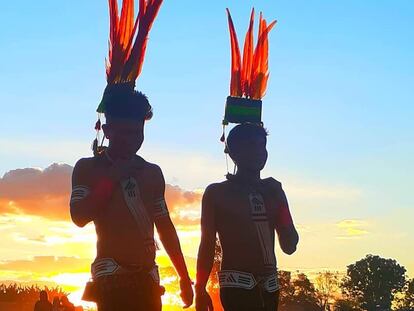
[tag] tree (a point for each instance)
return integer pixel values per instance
(345, 305)
(14, 293)
(373, 282)
(296, 293)
(213, 284)
(287, 290)
(327, 284)
(406, 301)
(305, 293)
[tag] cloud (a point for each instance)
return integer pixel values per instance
(184, 206)
(40, 238)
(47, 265)
(38, 192)
(33, 183)
(46, 193)
(352, 228)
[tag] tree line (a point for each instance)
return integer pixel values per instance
(370, 284)
(14, 293)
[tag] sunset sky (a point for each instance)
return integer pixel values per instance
(339, 109)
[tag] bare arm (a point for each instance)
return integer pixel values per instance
(169, 238)
(87, 197)
(288, 236)
(165, 227)
(205, 258)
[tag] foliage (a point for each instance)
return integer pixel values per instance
(287, 291)
(298, 292)
(327, 285)
(373, 281)
(345, 305)
(213, 284)
(26, 294)
(406, 301)
(305, 293)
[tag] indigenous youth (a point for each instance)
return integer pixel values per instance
(119, 191)
(245, 210)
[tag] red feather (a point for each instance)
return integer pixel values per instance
(248, 56)
(126, 56)
(235, 83)
(250, 77)
(260, 70)
(134, 64)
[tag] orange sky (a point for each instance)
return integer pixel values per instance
(39, 243)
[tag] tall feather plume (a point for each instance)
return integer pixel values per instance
(126, 56)
(260, 69)
(149, 11)
(250, 77)
(235, 83)
(248, 56)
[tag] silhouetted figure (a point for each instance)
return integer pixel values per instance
(43, 303)
(245, 211)
(66, 304)
(56, 306)
(121, 192)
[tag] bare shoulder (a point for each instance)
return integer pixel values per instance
(152, 168)
(272, 184)
(83, 170)
(152, 172)
(215, 190)
(84, 166)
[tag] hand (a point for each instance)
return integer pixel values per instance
(187, 294)
(203, 301)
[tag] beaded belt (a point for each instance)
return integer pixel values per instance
(246, 280)
(108, 266)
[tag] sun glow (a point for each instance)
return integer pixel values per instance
(76, 299)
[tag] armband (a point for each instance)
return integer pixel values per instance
(79, 193)
(160, 208)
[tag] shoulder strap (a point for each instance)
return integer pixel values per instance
(260, 220)
(137, 209)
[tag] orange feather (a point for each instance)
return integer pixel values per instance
(126, 56)
(134, 64)
(248, 55)
(260, 70)
(250, 77)
(235, 83)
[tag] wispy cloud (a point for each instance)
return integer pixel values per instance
(352, 228)
(48, 265)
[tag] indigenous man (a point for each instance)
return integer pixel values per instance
(245, 210)
(121, 192)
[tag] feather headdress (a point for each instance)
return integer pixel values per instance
(249, 75)
(126, 55)
(128, 36)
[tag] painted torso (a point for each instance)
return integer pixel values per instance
(118, 235)
(237, 229)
